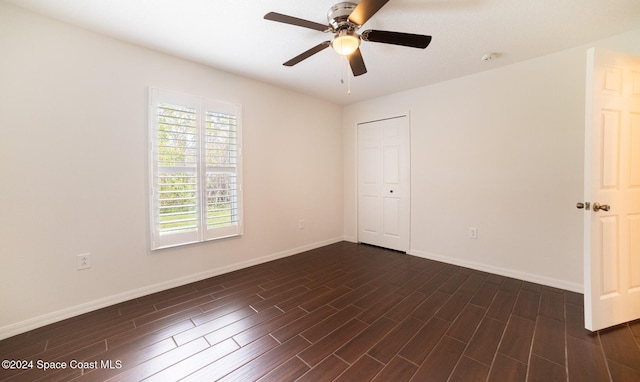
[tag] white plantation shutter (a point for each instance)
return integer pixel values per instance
(195, 169)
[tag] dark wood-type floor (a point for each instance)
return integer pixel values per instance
(344, 312)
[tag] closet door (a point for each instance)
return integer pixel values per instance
(383, 183)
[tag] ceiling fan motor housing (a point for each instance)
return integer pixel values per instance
(338, 16)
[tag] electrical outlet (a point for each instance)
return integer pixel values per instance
(83, 261)
(301, 224)
(473, 233)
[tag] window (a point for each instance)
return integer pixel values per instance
(196, 173)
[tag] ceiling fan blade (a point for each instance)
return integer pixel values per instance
(308, 53)
(365, 10)
(397, 38)
(279, 17)
(357, 63)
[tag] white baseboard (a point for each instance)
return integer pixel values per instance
(350, 239)
(59, 315)
(555, 283)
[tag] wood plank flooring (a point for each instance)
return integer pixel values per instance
(344, 312)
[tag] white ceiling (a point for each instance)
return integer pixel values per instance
(232, 35)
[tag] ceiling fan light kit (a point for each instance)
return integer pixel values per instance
(344, 21)
(345, 43)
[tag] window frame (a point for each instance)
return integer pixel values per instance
(201, 106)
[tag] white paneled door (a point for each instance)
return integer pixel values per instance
(383, 183)
(612, 190)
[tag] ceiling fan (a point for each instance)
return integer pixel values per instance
(344, 21)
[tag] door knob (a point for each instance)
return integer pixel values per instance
(598, 207)
(584, 205)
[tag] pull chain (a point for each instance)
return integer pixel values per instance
(348, 77)
(346, 60)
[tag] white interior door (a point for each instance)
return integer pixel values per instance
(612, 180)
(383, 183)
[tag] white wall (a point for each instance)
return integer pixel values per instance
(73, 148)
(501, 151)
